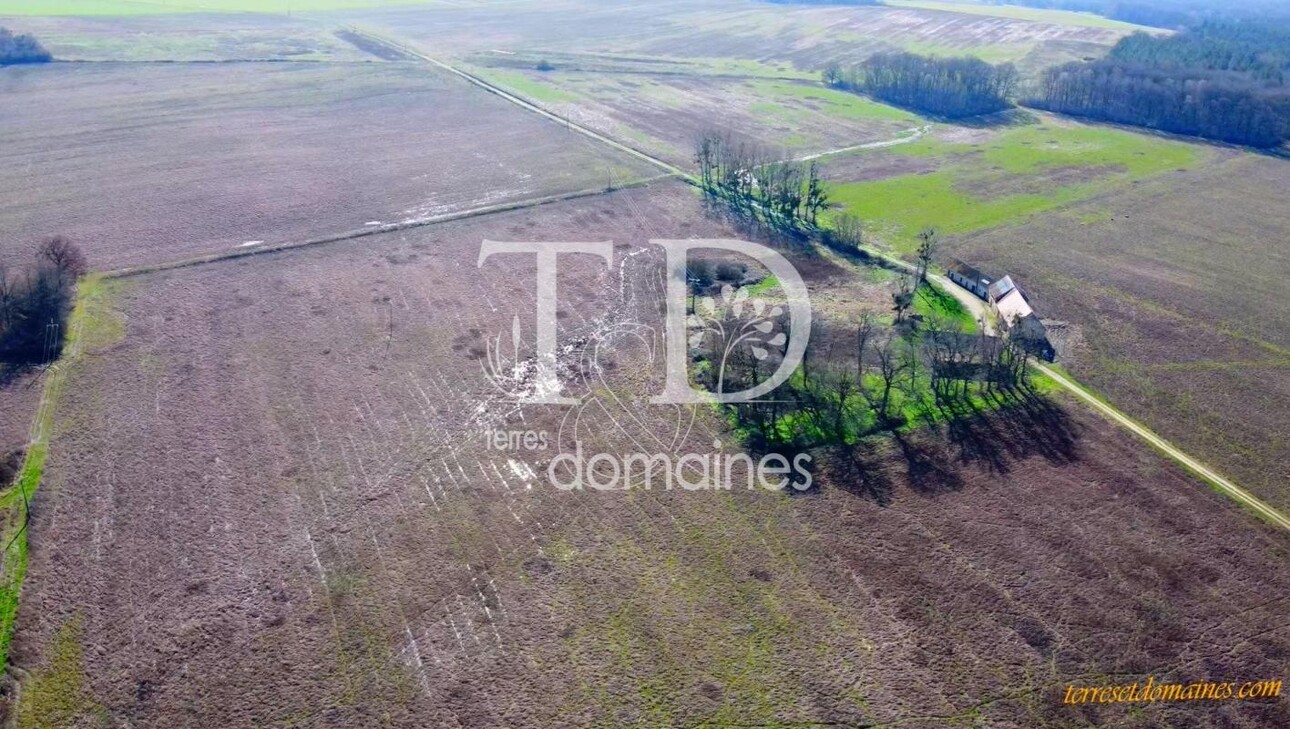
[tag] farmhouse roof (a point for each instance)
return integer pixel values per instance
(966, 271)
(1013, 305)
(1001, 288)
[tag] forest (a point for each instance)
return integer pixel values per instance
(1222, 81)
(953, 88)
(1262, 52)
(1166, 13)
(15, 49)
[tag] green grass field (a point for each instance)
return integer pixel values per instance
(1020, 171)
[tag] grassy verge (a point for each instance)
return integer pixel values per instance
(931, 300)
(91, 322)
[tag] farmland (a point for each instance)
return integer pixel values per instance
(1178, 287)
(806, 38)
(232, 37)
(284, 475)
(664, 114)
(303, 150)
(339, 509)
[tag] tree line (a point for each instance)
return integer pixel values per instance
(954, 88)
(1218, 80)
(1167, 13)
(1178, 101)
(1260, 53)
(35, 304)
(16, 49)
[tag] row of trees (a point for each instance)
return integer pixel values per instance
(21, 49)
(1171, 100)
(35, 304)
(784, 196)
(948, 87)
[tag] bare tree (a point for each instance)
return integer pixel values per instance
(928, 242)
(847, 233)
(817, 198)
(864, 330)
(890, 365)
(66, 258)
(902, 297)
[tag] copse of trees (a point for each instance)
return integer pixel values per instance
(16, 49)
(784, 196)
(35, 304)
(954, 88)
(866, 379)
(1170, 100)
(1223, 80)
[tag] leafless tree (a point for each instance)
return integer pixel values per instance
(902, 297)
(890, 365)
(928, 242)
(64, 256)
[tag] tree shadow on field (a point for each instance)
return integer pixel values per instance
(929, 471)
(860, 469)
(1025, 424)
(12, 374)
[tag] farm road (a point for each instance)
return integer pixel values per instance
(976, 306)
(907, 136)
(1240, 495)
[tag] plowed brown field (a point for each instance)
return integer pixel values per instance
(272, 503)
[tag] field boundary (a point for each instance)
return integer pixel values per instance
(525, 103)
(15, 501)
(373, 230)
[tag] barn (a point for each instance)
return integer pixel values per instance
(968, 277)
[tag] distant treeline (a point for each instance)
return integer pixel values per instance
(1261, 52)
(21, 49)
(1223, 81)
(949, 87)
(1167, 13)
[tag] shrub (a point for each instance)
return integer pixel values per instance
(732, 272)
(700, 273)
(21, 49)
